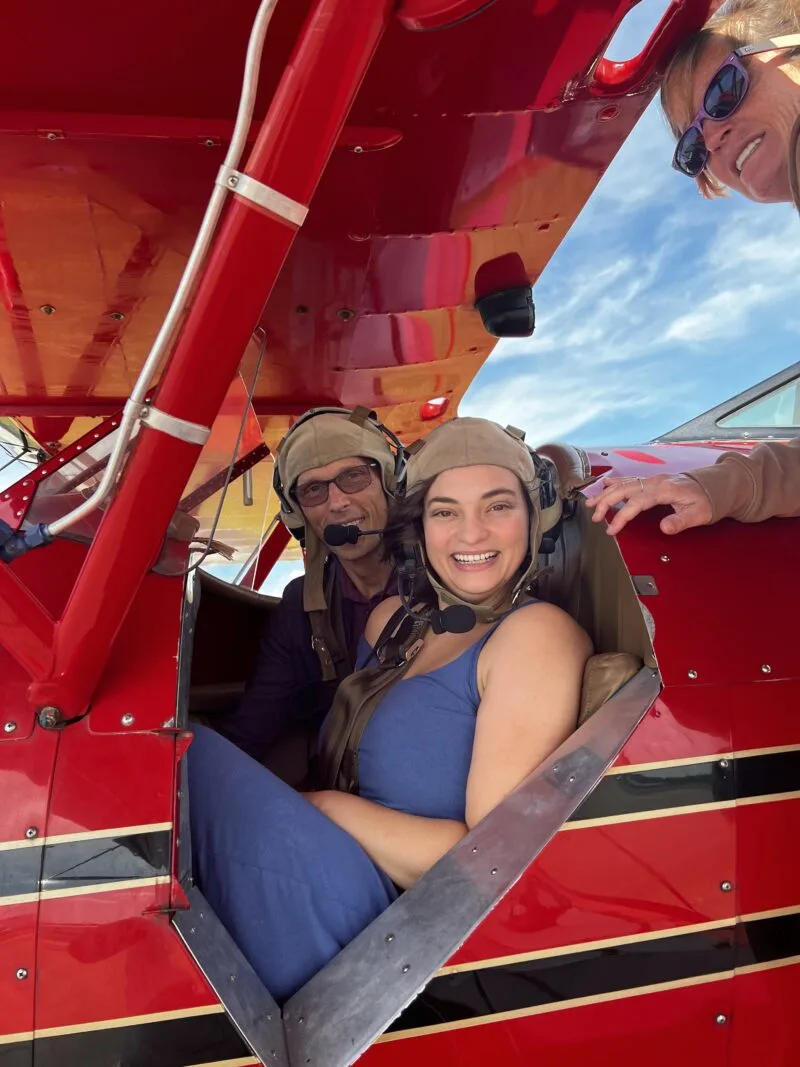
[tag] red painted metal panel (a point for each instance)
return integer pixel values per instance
(109, 781)
(26, 630)
(768, 863)
(111, 955)
(735, 627)
(684, 723)
(765, 1030)
(17, 951)
(617, 880)
(26, 769)
(141, 677)
(657, 1029)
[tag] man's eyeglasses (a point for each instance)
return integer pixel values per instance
(350, 480)
(725, 94)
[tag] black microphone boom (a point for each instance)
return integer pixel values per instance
(337, 535)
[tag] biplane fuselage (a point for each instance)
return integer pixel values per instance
(637, 898)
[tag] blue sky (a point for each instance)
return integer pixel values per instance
(657, 305)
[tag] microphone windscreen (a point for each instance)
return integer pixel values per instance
(335, 536)
(457, 619)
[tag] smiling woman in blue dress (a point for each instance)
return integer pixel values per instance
(732, 97)
(437, 738)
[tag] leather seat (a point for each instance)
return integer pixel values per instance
(587, 577)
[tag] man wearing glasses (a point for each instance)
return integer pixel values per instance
(335, 468)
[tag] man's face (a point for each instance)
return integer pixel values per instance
(367, 507)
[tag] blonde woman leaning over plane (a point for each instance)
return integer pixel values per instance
(732, 97)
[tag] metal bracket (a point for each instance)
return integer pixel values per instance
(644, 584)
(192, 432)
(258, 193)
(246, 1000)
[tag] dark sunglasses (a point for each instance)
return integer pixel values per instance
(724, 95)
(349, 481)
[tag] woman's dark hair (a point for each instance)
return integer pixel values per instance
(403, 535)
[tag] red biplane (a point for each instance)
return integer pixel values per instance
(394, 180)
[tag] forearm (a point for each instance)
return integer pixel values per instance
(404, 846)
(762, 485)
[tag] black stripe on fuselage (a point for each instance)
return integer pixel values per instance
(558, 979)
(709, 782)
(170, 1043)
(77, 864)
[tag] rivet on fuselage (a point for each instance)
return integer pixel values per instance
(766, 669)
(692, 674)
(721, 1019)
(726, 887)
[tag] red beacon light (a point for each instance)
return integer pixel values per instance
(432, 409)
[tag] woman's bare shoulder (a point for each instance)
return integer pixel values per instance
(540, 622)
(379, 617)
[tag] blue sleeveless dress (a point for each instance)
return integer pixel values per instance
(290, 885)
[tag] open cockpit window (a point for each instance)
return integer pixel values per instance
(765, 412)
(228, 507)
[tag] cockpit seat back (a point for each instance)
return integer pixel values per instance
(585, 575)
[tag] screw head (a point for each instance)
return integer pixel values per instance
(127, 719)
(389, 938)
(9, 727)
(406, 968)
(493, 870)
(723, 763)
(47, 309)
(726, 887)
(766, 669)
(31, 832)
(233, 181)
(22, 974)
(358, 149)
(692, 674)
(117, 316)
(665, 559)
(345, 314)
(721, 1019)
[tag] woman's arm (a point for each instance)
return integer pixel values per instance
(530, 674)
(404, 846)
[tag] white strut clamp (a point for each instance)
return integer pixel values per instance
(258, 193)
(191, 432)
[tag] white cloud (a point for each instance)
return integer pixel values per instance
(646, 318)
(721, 316)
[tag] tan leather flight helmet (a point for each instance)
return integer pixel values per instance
(470, 442)
(322, 436)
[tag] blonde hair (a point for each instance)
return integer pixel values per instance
(735, 23)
